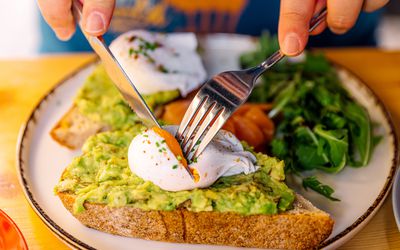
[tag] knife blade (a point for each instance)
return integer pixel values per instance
(117, 74)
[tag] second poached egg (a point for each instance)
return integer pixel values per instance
(160, 62)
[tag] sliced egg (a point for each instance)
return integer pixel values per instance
(156, 156)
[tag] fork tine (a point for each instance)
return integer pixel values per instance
(212, 131)
(197, 120)
(208, 120)
(191, 112)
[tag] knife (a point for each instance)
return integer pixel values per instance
(117, 74)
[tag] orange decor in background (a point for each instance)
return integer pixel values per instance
(10, 236)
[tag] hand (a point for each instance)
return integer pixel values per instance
(295, 16)
(96, 16)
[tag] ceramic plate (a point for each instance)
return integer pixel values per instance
(396, 198)
(42, 160)
(10, 235)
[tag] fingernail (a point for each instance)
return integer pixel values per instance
(291, 44)
(95, 22)
(63, 33)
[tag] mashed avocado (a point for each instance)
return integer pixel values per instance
(99, 100)
(102, 175)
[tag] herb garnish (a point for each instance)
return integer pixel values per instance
(143, 48)
(316, 185)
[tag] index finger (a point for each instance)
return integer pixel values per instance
(59, 17)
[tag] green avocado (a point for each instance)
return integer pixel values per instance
(100, 100)
(102, 175)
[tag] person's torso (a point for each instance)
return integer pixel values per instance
(200, 16)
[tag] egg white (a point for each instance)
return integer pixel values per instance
(150, 158)
(176, 53)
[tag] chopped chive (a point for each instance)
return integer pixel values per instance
(175, 166)
(162, 69)
(132, 38)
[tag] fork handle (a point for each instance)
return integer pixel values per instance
(278, 55)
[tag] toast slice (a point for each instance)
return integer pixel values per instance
(303, 227)
(98, 107)
(73, 129)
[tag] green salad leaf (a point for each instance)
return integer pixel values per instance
(319, 125)
(313, 183)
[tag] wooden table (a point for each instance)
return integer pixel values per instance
(24, 82)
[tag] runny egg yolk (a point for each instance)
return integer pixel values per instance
(196, 175)
(172, 144)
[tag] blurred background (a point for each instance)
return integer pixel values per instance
(21, 32)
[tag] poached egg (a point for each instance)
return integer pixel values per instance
(156, 156)
(160, 62)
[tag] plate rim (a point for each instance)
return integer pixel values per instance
(78, 244)
(373, 209)
(396, 199)
(54, 227)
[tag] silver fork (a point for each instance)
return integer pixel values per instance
(219, 98)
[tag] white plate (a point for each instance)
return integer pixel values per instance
(41, 162)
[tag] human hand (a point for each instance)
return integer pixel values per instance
(96, 16)
(295, 16)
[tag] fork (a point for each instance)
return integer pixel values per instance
(218, 98)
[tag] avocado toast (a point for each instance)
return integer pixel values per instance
(105, 191)
(99, 107)
(254, 210)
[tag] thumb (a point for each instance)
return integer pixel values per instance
(97, 16)
(294, 19)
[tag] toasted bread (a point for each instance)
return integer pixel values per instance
(74, 128)
(303, 227)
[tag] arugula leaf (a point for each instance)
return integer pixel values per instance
(282, 99)
(307, 149)
(336, 147)
(318, 124)
(360, 134)
(313, 183)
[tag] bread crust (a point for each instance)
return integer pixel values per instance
(74, 128)
(303, 227)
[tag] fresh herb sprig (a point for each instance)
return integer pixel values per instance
(319, 126)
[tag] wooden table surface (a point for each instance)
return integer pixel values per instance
(24, 82)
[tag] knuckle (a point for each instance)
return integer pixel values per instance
(341, 22)
(103, 4)
(57, 20)
(293, 15)
(53, 19)
(372, 5)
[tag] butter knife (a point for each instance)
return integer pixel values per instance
(121, 80)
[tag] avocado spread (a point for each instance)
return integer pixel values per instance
(102, 175)
(100, 100)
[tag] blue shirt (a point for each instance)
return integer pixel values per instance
(249, 17)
